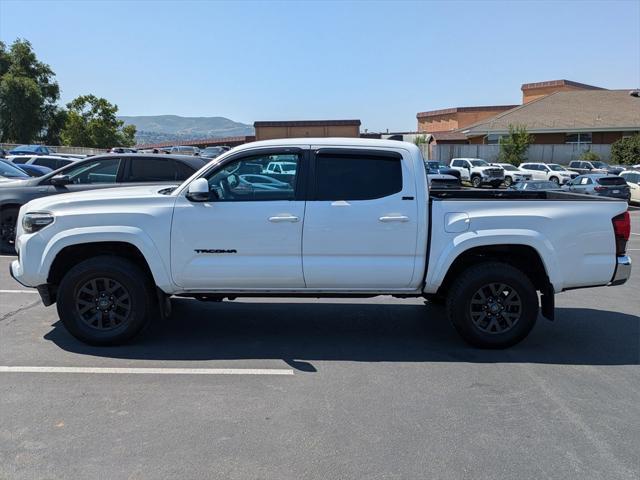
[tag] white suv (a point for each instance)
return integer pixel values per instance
(477, 171)
(512, 174)
(548, 171)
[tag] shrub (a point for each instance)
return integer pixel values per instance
(589, 156)
(513, 147)
(626, 151)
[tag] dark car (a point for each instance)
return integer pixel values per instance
(433, 166)
(102, 171)
(9, 171)
(600, 184)
(34, 170)
(535, 185)
(30, 150)
(50, 161)
(212, 152)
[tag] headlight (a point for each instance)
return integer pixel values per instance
(33, 222)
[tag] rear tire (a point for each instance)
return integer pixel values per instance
(492, 305)
(476, 181)
(8, 222)
(105, 300)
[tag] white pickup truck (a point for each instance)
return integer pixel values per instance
(477, 171)
(356, 219)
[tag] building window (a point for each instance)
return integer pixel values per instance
(493, 139)
(578, 138)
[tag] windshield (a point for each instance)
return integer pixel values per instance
(27, 148)
(599, 164)
(508, 167)
(479, 163)
(556, 168)
(10, 171)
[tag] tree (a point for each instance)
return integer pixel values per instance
(626, 151)
(513, 147)
(91, 122)
(589, 156)
(28, 93)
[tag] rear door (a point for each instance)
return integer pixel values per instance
(360, 227)
(140, 170)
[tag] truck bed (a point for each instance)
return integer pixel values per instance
(486, 194)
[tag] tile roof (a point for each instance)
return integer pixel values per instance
(305, 123)
(447, 111)
(578, 110)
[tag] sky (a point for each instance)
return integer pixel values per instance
(377, 61)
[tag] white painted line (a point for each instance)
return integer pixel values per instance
(150, 371)
(18, 291)
(635, 233)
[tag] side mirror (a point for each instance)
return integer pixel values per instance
(60, 180)
(198, 190)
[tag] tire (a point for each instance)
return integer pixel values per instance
(555, 180)
(476, 181)
(477, 322)
(116, 285)
(8, 219)
(508, 181)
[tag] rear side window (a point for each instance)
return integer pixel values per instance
(20, 160)
(153, 170)
(357, 177)
(612, 181)
(52, 163)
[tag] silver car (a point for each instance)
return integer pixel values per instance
(600, 184)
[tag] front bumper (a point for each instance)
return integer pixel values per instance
(623, 270)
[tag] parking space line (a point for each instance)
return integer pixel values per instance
(18, 291)
(149, 371)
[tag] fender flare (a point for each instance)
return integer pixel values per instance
(439, 267)
(131, 235)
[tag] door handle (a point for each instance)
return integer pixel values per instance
(394, 218)
(284, 218)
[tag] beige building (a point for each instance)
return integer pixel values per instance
(307, 128)
(458, 117)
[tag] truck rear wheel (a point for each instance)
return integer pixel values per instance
(8, 219)
(492, 305)
(105, 300)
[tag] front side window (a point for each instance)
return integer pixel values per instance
(51, 163)
(255, 179)
(97, 171)
(458, 163)
(357, 177)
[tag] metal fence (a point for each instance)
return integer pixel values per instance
(61, 149)
(553, 153)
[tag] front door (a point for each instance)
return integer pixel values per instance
(249, 234)
(361, 221)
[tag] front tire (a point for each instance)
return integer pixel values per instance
(105, 300)
(476, 181)
(8, 221)
(492, 305)
(508, 181)
(555, 180)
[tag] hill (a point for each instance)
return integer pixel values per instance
(167, 128)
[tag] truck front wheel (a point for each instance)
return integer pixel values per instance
(476, 181)
(105, 300)
(492, 305)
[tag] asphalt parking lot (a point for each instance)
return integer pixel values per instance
(296, 389)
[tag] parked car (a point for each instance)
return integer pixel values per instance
(548, 171)
(185, 150)
(536, 185)
(583, 167)
(103, 171)
(281, 167)
(358, 222)
(122, 150)
(30, 150)
(477, 171)
(49, 161)
(600, 184)
(435, 167)
(212, 152)
(76, 156)
(34, 170)
(632, 177)
(9, 171)
(512, 174)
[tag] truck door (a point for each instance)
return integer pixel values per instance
(361, 220)
(248, 235)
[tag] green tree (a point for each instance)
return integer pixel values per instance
(28, 93)
(91, 122)
(589, 156)
(626, 151)
(513, 147)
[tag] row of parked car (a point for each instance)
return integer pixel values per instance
(591, 178)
